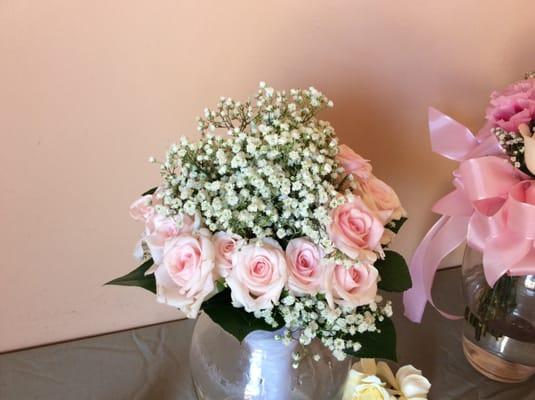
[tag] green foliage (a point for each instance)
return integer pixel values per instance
(236, 321)
(397, 224)
(380, 344)
(394, 272)
(150, 191)
(138, 278)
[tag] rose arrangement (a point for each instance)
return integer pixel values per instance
(371, 380)
(274, 224)
(492, 207)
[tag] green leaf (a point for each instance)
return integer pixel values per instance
(138, 278)
(396, 225)
(236, 321)
(150, 191)
(394, 272)
(220, 285)
(379, 344)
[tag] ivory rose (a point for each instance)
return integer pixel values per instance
(355, 230)
(225, 245)
(360, 386)
(304, 272)
(352, 163)
(381, 199)
(373, 380)
(412, 383)
(351, 286)
(258, 275)
(185, 277)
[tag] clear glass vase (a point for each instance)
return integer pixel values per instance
(260, 368)
(499, 329)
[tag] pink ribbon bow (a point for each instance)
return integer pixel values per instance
(492, 208)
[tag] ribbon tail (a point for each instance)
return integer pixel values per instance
(446, 235)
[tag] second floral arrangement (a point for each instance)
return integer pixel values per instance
(268, 222)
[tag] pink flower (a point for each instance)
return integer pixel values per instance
(513, 106)
(258, 275)
(352, 163)
(142, 209)
(355, 230)
(225, 245)
(304, 273)
(185, 279)
(353, 287)
(159, 229)
(381, 199)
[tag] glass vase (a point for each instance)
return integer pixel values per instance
(260, 368)
(499, 329)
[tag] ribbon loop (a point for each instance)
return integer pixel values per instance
(492, 208)
(448, 137)
(487, 181)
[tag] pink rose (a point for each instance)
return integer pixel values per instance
(513, 106)
(355, 230)
(352, 287)
(352, 163)
(184, 279)
(258, 275)
(304, 273)
(159, 229)
(225, 244)
(142, 209)
(382, 199)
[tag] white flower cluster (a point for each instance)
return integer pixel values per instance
(274, 176)
(309, 317)
(512, 144)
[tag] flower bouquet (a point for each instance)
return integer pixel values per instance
(493, 209)
(267, 223)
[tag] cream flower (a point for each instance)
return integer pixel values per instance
(407, 384)
(360, 386)
(412, 384)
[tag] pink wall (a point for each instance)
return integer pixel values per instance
(90, 89)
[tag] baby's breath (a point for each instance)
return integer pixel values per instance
(309, 317)
(274, 175)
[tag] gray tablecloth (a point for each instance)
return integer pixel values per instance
(152, 363)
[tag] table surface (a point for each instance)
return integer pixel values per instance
(152, 363)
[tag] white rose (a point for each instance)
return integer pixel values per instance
(360, 386)
(407, 384)
(412, 383)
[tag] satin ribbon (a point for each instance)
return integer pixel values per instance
(492, 208)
